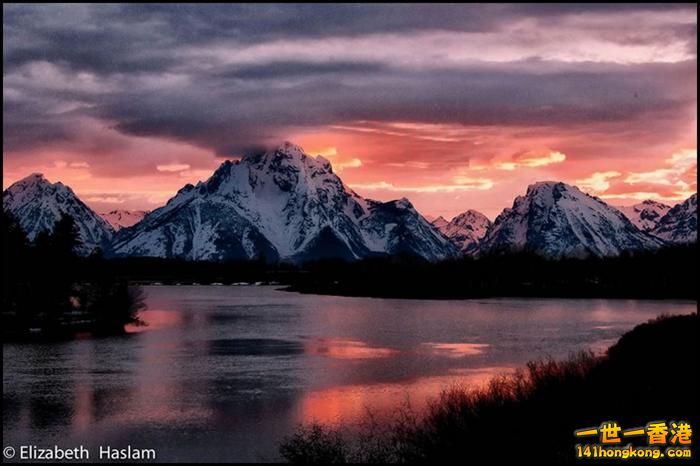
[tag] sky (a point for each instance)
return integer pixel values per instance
(455, 107)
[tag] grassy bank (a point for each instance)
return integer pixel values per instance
(530, 416)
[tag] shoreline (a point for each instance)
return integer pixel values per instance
(347, 294)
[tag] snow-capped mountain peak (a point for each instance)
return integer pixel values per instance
(281, 203)
(554, 219)
(38, 204)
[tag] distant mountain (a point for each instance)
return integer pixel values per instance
(465, 230)
(680, 224)
(438, 222)
(38, 204)
(556, 220)
(645, 215)
(120, 218)
(282, 204)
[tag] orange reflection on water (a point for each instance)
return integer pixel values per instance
(350, 403)
(337, 348)
(457, 350)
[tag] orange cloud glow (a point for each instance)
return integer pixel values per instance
(533, 160)
(172, 167)
(598, 181)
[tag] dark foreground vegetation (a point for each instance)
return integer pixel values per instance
(530, 417)
(668, 273)
(49, 291)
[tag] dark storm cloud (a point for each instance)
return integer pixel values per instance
(123, 38)
(228, 117)
(181, 71)
(291, 69)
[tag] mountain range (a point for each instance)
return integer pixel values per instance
(284, 205)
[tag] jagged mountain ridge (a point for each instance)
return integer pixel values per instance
(38, 204)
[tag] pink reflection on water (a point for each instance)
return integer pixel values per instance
(82, 407)
(155, 319)
(161, 404)
(337, 348)
(456, 350)
(350, 403)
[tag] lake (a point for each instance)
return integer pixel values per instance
(223, 373)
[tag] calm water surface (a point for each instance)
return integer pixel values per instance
(223, 373)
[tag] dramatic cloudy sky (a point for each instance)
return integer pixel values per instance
(452, 106)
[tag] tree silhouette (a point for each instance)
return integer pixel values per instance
(16, 256)
(49, 287)
(65, 237)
